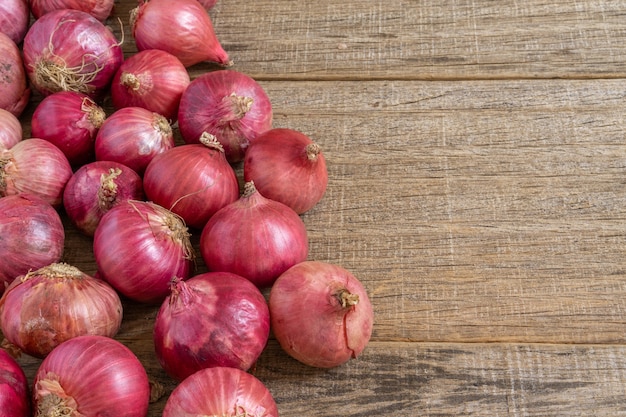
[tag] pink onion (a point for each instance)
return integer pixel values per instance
(228, 104)
(221, 391)
(254, 237)
(287, 166)
(139, 247)
(14, 395)
(212, 319)
(34, 166)
(10, 129)
(320, 314)
(95, 188)
(208, 4)
(91, 376)
(100, 9)
(13, 81)
(46, 307)
(193, 181)
(133, 136)
(69, 120)
(14, 17)
(32, 236)
(70, 50)
(152, 79)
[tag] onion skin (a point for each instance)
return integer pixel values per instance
(287, 166)
(14, 17)
(46, 307)
(91, 376)
(14, 395)
(100, 9)
(221, 391)
(227, 104)
(10, 129)
(13, 77)
(212, 319)
(309, 320)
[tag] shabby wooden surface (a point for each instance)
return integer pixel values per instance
(476, 158)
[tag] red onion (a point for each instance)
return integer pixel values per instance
(100, 9)
(91, 376)
(13, 81)
(321, 314)
(14, 17)
(193, 181)
(185, 30)
(228, 104)
(32, 236)
(208, 4)
(287, 166)
(69, 120)
(14, 395)
(139, 247)
(95, 188)
(10, 129)
(212, 319)
(46, 307)
(133, 136)
(152, 79)
(35, 166)
(254, 237)
(221, 391)
(70, 50)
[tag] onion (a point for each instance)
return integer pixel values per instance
(193, 181)
(208, 4)
(13, 80)
(152, 79)
(70, 120)
(10, 129)
(212, 319)
(31, 233)
(35, 166)
(100, 9)
(183, 29)
(70, 50)
(321, 314)
(46, 307)
(14, 17)
(95, 188)
(228, 104)
(133, 136)
(91, 376)
(139, 247)
(14, 395)
(221, 391)
(287, 166)
(254, 237)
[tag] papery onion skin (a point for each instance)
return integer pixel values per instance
(31, 236)
(254, 237)
(13, 77)
(10, 129)
(91, 376)
(152, 79)
(48, 306)
(95, 188)
(70, 50)
(139, 247)
(69, 120)
(212, 319)
(14, 394)
(100, 9)
(287, 166)
(321, 314)
(221, 391)
(227, 104)
(14, 17)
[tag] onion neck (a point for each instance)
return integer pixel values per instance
(346, 298)
(233, 107)
(161, 125)
(56, 271)
(107, 193)
(52, 400)
(181, 295)
(312, 151)
(130, 81)
(95, 113)
(211, 142)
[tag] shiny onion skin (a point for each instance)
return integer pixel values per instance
(70, 50)
(91, 376)
(14, 394)
(152, 79)
(287, 166)
(320, 314)
(46, 307)
(139, 247)
(34, 166)
(133, 136)
(193, 181)
(183, 29)
(221, 392)
(10, 129)
(254, 237)
(100, 9)
(95, 188)
(227, 104)
(69, 120)
(14, 17)
(212, 319)
(13, 78)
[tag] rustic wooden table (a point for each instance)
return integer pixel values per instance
(477, 188)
